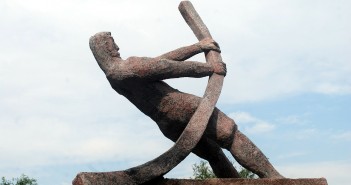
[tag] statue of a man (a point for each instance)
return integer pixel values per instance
(139, 79)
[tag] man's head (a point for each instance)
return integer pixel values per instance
(104, 48)
(104, 41)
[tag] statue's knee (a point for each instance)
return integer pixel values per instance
(223, 128)
(226, 132)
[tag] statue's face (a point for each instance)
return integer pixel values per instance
(112, 47)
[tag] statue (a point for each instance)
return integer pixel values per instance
(139, 79)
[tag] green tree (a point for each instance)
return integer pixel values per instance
(203, 171)
(22, 180)
(247, 174)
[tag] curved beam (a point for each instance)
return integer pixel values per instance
(198, 123)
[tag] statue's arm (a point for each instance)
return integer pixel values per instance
(186, 52)
(106, 54)
(159, 69)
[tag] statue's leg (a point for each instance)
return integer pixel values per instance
(251, 157)
(209, 150)
(243, 150)
(212, 152)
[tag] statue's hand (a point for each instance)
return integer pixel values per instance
(208, 44)
(220, 68)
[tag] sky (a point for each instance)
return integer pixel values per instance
(288, 86)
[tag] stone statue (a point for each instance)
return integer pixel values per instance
(139, 79)
(193, 123)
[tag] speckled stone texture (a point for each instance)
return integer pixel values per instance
(139, 80)
(193, 123)
(307, 181)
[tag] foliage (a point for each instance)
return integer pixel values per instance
(203, 171)
(245, 173)
(22, 180)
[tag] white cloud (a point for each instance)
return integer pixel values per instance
(345, 136)
(251, 124)
(291, 155)
(34, 141)
(290, 120)
(268, 56)
(261, 127)
(336, 172)
(297, 48)
(306, 133)
(328, 88)
(293, 119)
(242, 117)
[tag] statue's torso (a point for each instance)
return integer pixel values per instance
(168, 107)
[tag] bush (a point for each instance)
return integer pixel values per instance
(203, 171)
(22, 180)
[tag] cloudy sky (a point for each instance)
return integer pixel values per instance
(287, 87)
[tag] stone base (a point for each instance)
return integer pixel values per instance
(119, 178)
(215, 181)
